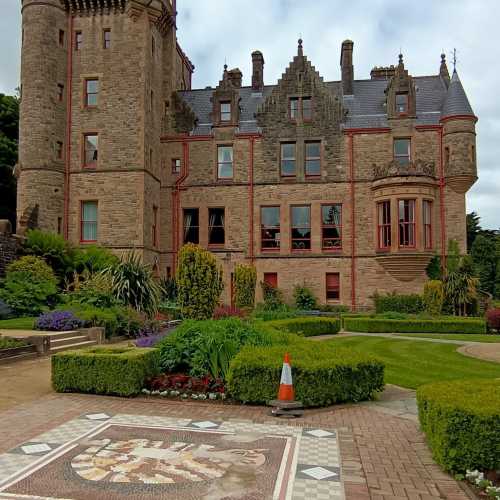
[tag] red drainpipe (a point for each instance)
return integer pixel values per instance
(441, 200)
(251, 142)
(353, 222)
(176, 202)
(67, 163)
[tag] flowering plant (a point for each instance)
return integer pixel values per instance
(477, 479)
(58, 321)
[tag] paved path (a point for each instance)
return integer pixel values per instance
(488, 352)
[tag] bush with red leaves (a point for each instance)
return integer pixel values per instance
(493, 318)
(185, 383)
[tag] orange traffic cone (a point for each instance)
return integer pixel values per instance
(286, 392)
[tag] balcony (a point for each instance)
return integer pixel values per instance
(417, 168)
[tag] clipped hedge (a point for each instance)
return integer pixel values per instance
(461, 420)
(101, 370)
(308, 326)
(322, 374)
(381, 325)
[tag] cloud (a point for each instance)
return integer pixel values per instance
(216, 31)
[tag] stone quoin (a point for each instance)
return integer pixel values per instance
(348, 186)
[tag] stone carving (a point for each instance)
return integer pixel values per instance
(396, 169)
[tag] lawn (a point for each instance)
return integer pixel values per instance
(466, 337)
(411, 363)
(17, 324)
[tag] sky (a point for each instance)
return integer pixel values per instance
(212, 32)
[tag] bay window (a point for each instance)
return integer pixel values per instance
(427, 219)
(406, 209)
(384, 225)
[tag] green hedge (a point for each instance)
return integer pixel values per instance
(462, 422)
(100, 370)
(308, 326)
(322, 374)
(393, 302)
(376, 325)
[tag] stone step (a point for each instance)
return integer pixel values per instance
(70, 347)
(59, 342)
(61, 335)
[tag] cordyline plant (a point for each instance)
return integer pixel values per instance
(133, 284)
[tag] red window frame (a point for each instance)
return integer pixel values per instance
(264, 231)
(83, 222)
(384, 226)
(306, 241)
(271, 279)
(93, 163)
(176, 165)
(88, 94)
(332, 288)
(312, 158)
(294, 159)
(106, 38)
(78, 40)
(221, 163)
(336, 243)
(407, 224)
(427, 223)
(211, 227)
(154, 227)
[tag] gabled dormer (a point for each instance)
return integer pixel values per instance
(226, 98)
(401, 98)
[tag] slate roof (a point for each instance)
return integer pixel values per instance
(365, 108)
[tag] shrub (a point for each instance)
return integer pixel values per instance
(9, 343)
(245, 278)
(5, 310)
(333, 308)
(273, 296)
(133, 284)
(93, 290)
(433, 297)
(228, 312)
(29, 286)
(263, 312)
(493, 319)
(199, 282)
(461, 420)
(382, 325)
(304, 298)
(322, 374)
(118, 371)
(93, 259)
(168, 289)
(308, 327)
(58, 321)
(434, 269)
(410, 304)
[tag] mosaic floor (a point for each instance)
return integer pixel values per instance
(101, 456)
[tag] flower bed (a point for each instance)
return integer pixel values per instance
(413, 325)
(462, 422)
(119, 371)
(309, 326)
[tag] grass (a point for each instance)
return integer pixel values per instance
(411, 363)
(17, 324)
(467, 337)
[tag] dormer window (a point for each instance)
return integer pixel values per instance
(225, 111)
(402, 103)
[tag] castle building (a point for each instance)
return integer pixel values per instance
(348, 186)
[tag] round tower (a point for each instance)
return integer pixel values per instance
(42, 134)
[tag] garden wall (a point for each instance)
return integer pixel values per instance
(9, 246)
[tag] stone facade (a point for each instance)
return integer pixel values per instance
(159, 151)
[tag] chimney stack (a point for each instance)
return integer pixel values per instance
(235, 76)
(257, 71)
(346, 66)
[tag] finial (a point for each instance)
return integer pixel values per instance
(454, 60)
(299, 51)
(400, 58)
(443, 58)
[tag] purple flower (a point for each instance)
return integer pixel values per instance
(58, 321)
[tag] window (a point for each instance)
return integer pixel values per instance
(332, 286)
(270, 235)
(473, 154)
(106, 38)
(446, 156)
(60, 92)
(225, 162)
(313, 159)
(59, 150)
(402, 151)
(191, 225)
(407, 223)
(402, 103)
(154, 227)
(78, 40)
(151, 165)
(306, 108)
(225, 111)
(294, 108)
(288, 159)
(331, 227)
(271, 279)
(427, 218)
(91, 92)
(384, 224)
(88, 229)
(153, 46)
(151, 100)
(216, 232)
(59, 225)
(90, 148)
(61, 38)
(301, 227)
(176, 165)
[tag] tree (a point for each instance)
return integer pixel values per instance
(245, 278)
(460, 285)
(473, 228)
(485, 258)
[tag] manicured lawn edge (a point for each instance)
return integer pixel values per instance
(26, 323)
(307, 326)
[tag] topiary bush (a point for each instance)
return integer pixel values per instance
(394, 302)
(245, 278)
(322, 374)
(461, 420)
(199, 282)
(383, 325)
(493, 319)
(308, 326)
(104, 370)
(304, 298)
(30, 285)
(58, 321)
(433, 297)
